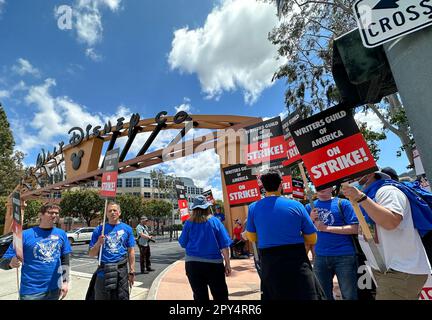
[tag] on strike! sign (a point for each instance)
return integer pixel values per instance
(266, 142)
(332, 147)
(242, 185)
(109, 177)
(182, 201)
(209, 196)
(292, 154)
(17, 225)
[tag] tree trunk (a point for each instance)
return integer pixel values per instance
(396, 104)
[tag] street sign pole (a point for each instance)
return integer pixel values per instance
(410, 62)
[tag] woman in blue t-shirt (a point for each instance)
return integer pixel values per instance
(207, 247)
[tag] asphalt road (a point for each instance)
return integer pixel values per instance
(163, 253)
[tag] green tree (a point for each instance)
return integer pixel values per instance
(157, 210)
(131, 207)
(11, 167)
(82, 203)
(305, 38)
(31, 210)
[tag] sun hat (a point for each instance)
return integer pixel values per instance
(200, 202)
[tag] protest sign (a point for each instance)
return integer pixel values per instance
(209, 196)
(241, 185)
(298, 189)
(266, 142)
(293, 155)
(332, 147)
(182, 200)
(17, 225)
(110, 175)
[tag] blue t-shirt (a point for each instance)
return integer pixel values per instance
(118, 238)
(332, 244)
(220, 216)
(205, 240)
(43, 249)
(278, 221)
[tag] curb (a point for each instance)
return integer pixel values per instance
(152, 293)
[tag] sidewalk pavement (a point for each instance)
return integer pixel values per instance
(243, 283)
(172, 284)
(77, 288)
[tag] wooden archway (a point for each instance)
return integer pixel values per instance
(91, 145)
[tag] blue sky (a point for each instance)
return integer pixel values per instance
(126, 56)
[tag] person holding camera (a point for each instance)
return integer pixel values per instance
(144, 239)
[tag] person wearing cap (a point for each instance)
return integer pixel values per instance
(390, 172)
(281, 227)
(207, 248)
(144, 245)
(388, 214)
(218, 214)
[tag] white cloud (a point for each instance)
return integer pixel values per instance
(54, 117)
(372, 120)
(4, 94)
(231, 51)
(202, 167)
(93, 55)
(2, 4)
(185, 106)
(24, 67)
(87, 22)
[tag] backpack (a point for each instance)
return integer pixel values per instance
(420, 201)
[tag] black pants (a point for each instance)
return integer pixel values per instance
(202, 275)
(287, 274)
(144, 257)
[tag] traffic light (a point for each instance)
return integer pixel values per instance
(361, 74)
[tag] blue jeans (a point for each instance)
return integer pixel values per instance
(50, 295)
(345, 269)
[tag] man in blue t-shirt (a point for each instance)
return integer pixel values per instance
(282, 227)
(117, 241)
(45, 265)
(335, 252)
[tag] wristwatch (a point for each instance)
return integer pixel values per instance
(362, 198)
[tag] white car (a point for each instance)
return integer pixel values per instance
(80, 235)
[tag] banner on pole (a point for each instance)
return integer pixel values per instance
(182, 201)
(209, 196)
(17, 225)
(332, 147)
(110, 175)
(293, 155)
(241, 185)
(266, 142)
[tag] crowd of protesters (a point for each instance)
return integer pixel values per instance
(280, 230)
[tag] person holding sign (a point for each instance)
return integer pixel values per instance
(335, 252)
(388, 213)
(282, 227)
(111, 280)
(46, 249)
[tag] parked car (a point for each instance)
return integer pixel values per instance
(80, 235)
(5, 241)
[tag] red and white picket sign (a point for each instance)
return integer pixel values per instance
(332, 147)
